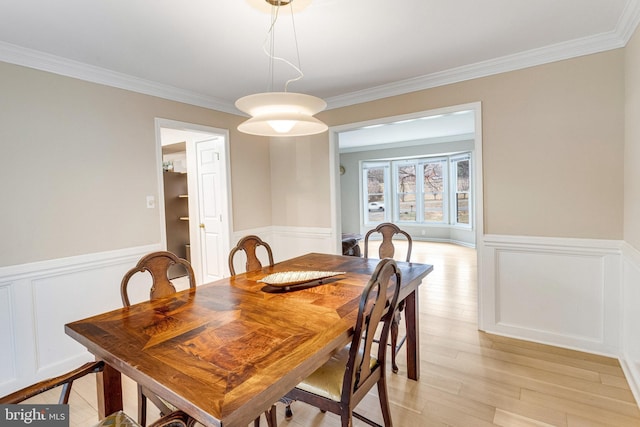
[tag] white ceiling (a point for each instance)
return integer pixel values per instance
(419, 129)
(209, 52)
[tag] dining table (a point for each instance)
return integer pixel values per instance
(225, 351)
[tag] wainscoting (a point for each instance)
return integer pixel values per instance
(37, 299)
(563, 292)
(574, 293)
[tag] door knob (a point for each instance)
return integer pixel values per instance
(202, 226)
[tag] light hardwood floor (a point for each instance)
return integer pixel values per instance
(468, 378)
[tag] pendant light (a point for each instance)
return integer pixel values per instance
(281, 113)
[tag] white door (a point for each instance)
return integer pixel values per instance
(210, 209)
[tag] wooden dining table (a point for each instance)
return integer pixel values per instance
(227, 350)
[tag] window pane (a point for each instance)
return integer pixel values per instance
(462, 208)
(433, 192)
(407, 193)
(375, 191)
(463, 175)
(462, 192)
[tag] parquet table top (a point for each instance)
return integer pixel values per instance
(226, 351)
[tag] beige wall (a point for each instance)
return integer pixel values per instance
(632, 143)
(553, 140)
(250, 179)
(78, 160)
(300, 181)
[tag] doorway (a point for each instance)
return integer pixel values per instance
(195, 195)
(397, 137)
(377, 131)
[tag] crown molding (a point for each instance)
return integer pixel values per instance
(567, 50)
(618, 38)
(629, 20)
(66, 67)
(594, 44)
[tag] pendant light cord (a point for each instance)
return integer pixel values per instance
(270, 52)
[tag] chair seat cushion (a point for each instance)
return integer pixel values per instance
(327, 380)
(117, 419)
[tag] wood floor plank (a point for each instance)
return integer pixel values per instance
(593, 410)
(561, 381)
(605, 366)
(508, 419)
(513, 404)
(551, 367)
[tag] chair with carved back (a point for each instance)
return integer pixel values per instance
(249, 245)
(65, 382)
(387, 249)
(341, 383)
(157, 264)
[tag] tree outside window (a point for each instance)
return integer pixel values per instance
(462, 194)
(406, 192)
(433, 191)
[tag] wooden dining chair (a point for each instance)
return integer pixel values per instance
(387, 249)
(249, 245)
(341, 383)
(157, 264)
(65, 381)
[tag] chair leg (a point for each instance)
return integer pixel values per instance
(394, 341)
(288, 413)
(384, 401)
(346, 419)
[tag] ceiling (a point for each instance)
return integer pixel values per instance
(415, 130)
(210, 52)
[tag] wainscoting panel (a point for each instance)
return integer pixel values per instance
(549, 292)
(630, 358)
(295, 241)
(97, 293)
(564, 292)
(7, 335)
(37, 299)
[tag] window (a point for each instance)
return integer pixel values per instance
(427, 190)
(434, 191)
(406, 191)
(461, 193)
(375, 177)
